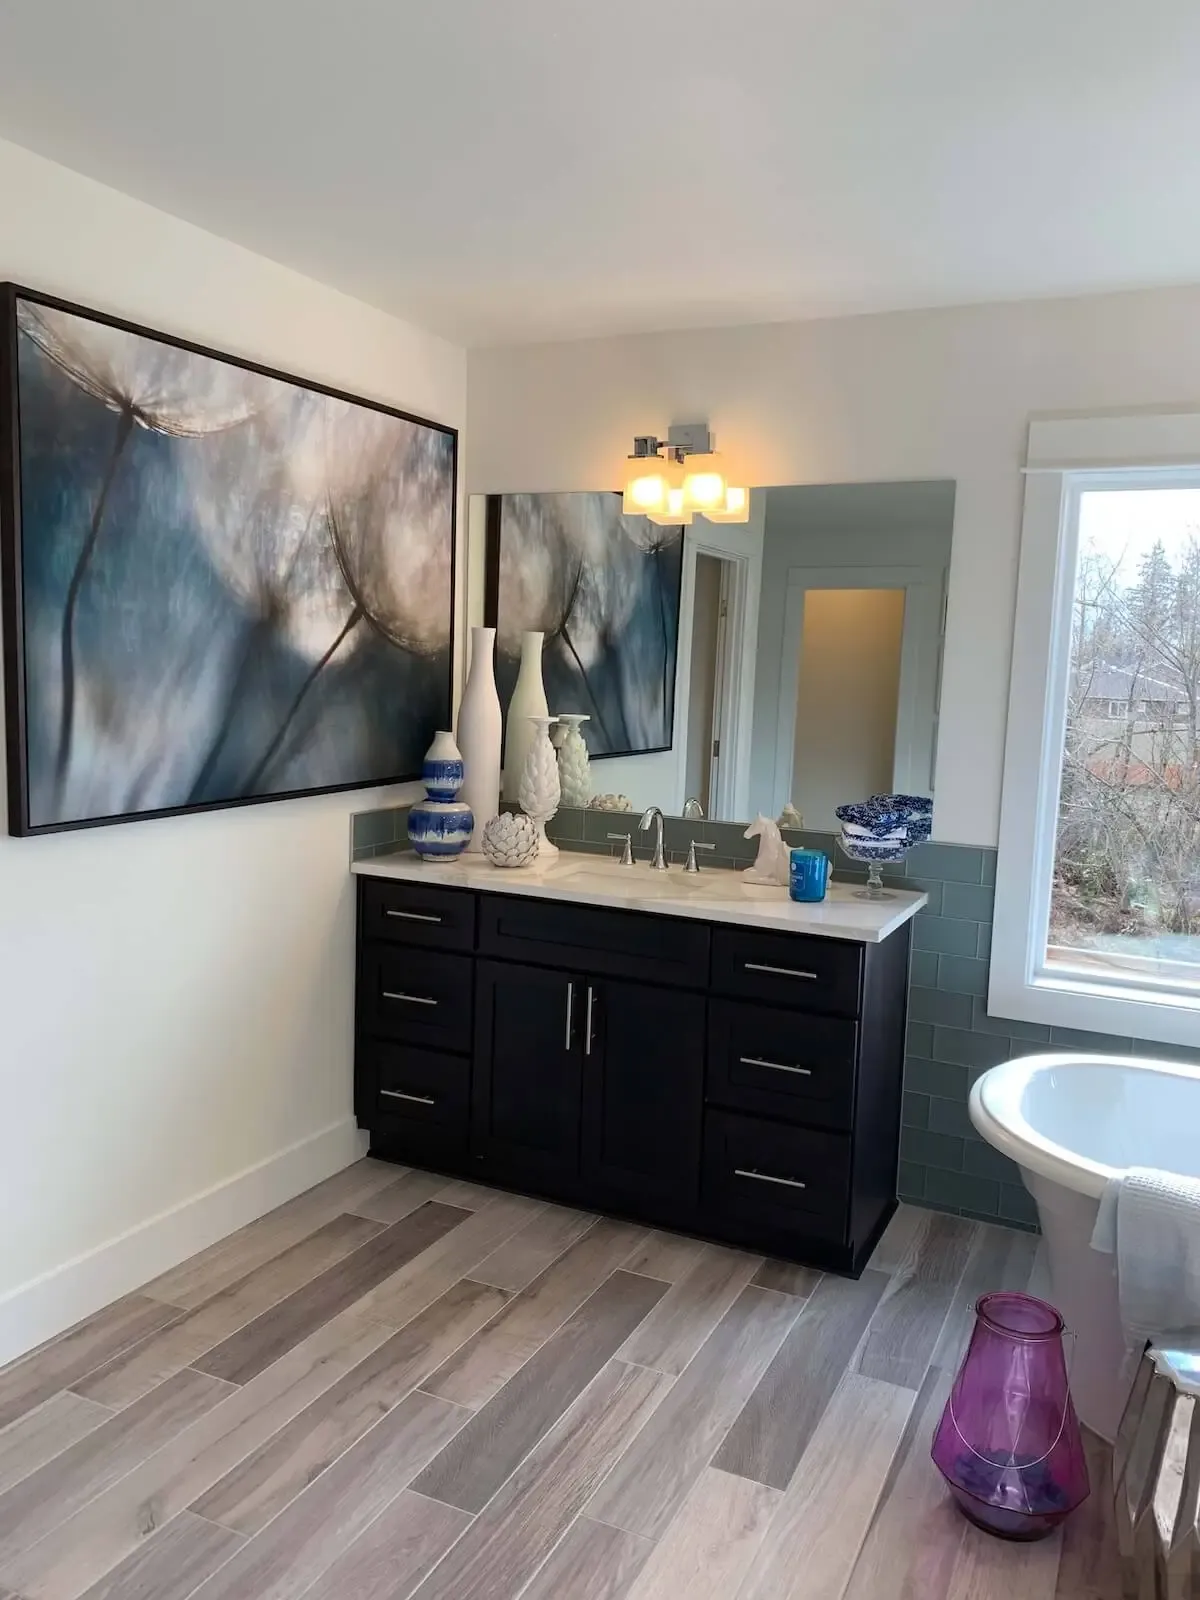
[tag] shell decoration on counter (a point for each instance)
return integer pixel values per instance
(610, 802)
(510, 840)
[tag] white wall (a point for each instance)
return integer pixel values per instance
(941, 394)
(177, 995)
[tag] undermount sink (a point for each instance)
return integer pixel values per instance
(641, 879)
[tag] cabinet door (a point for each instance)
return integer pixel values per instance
(643, 1092)
(528, 1051)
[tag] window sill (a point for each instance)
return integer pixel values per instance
(1091, 1007)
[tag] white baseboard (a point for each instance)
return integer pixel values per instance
(37, 1310)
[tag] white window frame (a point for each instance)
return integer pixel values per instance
(1065, 458)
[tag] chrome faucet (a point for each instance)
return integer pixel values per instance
(653, 814)
(693, 811)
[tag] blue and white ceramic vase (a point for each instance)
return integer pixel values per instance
(442, 771)
(440, 826)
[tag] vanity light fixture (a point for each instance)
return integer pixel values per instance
(736, 507)
(686, 478)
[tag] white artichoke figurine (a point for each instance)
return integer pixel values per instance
(539, 792)
(510, 840)
(574, 764)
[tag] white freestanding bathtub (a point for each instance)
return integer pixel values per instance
(1072, 1122)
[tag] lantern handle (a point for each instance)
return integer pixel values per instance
(1068, 1333)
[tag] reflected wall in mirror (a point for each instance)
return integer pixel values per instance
(604, 590)
(809, 643)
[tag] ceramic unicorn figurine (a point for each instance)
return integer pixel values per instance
(773, 860)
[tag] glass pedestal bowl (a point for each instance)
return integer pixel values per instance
(874, 854)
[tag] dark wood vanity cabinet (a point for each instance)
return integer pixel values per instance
(736, 1084)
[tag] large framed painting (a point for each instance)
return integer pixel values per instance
(604, 589)
(221, 584)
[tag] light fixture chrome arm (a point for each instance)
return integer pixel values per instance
(653, 814)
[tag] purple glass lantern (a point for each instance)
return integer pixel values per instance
(1008, 1443)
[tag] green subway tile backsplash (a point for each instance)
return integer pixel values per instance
(924, 969)
(970, 900)
(916, 1110)
(962, 975)
(950, 1116)
(959, 1191)
(377, 832)
(936, 1006)
(951, 1037)
(940, 1151)
(936, 1077)
(945, 935)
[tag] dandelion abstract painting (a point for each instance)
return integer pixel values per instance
(221, 585)
(604, 589)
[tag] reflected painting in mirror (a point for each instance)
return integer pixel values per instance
(604, 590)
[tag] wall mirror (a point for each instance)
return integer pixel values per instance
(791, 660)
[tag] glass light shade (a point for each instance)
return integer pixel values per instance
(703, 482)
(646, 489)
(674, 515)
(735, 509)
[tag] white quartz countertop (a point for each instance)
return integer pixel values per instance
(714, 894)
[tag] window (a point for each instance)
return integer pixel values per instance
(1098, 900)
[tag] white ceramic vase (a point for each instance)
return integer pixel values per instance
(574, 763)
(539, 790)
(529, 700)
(479, 734)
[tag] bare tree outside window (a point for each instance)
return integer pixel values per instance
(1126, 891)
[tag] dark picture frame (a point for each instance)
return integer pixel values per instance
(642, 648)
(411, 467)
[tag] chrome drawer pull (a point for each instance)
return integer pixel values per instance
(765, 1177)
(587, 1031)
(413, 916)
(782, 972)
(775, 1066)
(411, 999)
(570, 1015)
(417, 1099)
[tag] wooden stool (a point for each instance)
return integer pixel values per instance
(1156, 1478)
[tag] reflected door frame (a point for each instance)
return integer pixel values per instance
(918, 697)
(734, 712)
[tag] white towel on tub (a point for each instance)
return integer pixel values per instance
(1151, 1221)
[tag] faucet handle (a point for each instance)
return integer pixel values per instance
(692, 865)
(627, 854)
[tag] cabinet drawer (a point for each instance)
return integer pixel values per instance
(421, 1086)
(782, 1063)
(420, 996)
(788, 969)
(410, 913)
(616, 944)
(779, 1176)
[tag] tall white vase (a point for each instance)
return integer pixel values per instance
(479, 734)
(529, 700)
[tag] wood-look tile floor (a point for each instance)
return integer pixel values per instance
(399, 1386)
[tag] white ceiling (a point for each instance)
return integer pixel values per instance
(503, 170)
